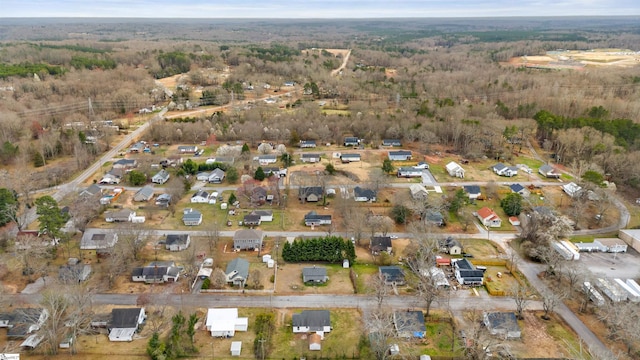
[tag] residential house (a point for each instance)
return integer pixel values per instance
(450, 246)
(422, 165)
(247, 239)
(350, 157)
(110, 178)
(27, 239)
(125, 323)
(274, 171)
(200, 197)
(434, 217)
(380, 244)
(177, 242)
(123, 215)
(191, 217)
(473, 191)
(408, 172)
(163, 200)
(98, 241)
(265, 215)
(502, 324)
(409, 324)
(418, 192)
(258, 195)
(224, 322)
(216, 176)
(548, 171)
(310, 193)
(23, 321)
(251, 220)
(572, 189)
(488, 217)
(237, 271)
(504, 170)
(156, 272)
(229, 160)
(519, 189)
(307, 143)
(400, 155)
(315, 274)
(311, 321)
(310, 158)
(351, 141)
(455, 170)
(467, 274)
(312, 218)
(267, 159)
(138, 147)
(203, 176)
(187, 149)
(362, 194)
(126, 164)
(391, 142)
(92, 191)
(74, 273)
(392, 275)
(144, 194)
(160, 177)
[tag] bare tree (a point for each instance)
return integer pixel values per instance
(379, 288)
(32, 253)
(255, 279)
(134, 237)
(56, 304)
(549, 302)
(476, 339)
(521, 296)
(218, 279)
(421, 260)
(380, 329)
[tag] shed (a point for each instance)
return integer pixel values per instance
(236, 348)
(266, 258)
(271, 263)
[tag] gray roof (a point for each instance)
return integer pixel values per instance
(516, 188)
(499, 166)
(400, 153)
(409, 321)
(251, 219)
(145, 193)
(362, 192)
(314, 272)
(472, 189)
(176, 239)
(248, 234)
(200, 193)
(395, 142)
(391, 273)
(240, 265)
(217, 172)
(546, 168)
(98, 240)
(93, 189)
(306, 191)
(503, 321)
(191, 215)
(350, 156)
(316, 320)
(380, 243)
(162, 174)
(125, 162)
(310, 156)
(125, 318)
(312, 215)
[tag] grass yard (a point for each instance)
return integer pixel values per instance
(502, 285)
(364, 272)
(341, 342)
(480, 248)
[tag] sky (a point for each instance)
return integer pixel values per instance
(314, 8)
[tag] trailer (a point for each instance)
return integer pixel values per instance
(563, 251)
(611, 289)
(632, 295)
(594, 295)
(634, 285)
(572, 249)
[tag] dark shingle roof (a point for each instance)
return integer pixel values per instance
(316, 320)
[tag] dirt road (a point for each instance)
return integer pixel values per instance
(344, 64)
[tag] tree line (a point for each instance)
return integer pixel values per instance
(332, 249)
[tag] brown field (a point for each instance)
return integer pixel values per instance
(596, 57)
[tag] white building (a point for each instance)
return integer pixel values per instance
(224, 322)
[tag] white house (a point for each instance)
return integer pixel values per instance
(489, 218)
(124, 323)
(455, 170)
(409, 172)
(177, 242)
(161, 177)
(504, 170)
(311, 321)
(399, 155)
(310, 158)
(224, 322)
(216, 176)
(572, 189)
(200, 197)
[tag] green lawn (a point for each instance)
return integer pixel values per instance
(532, 163)
(481, 248)
(364, 272)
